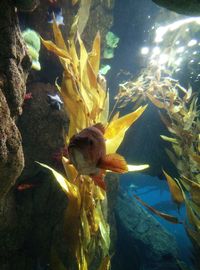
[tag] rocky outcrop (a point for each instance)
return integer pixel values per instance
(14, 66)
(142, 241)
(31, 225)
(186, 7)
(43, 129)
(31, 221)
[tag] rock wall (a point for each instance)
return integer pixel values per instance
(142, 242)
(14, 66)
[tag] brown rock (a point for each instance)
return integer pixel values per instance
(43, 128)
(14, 66)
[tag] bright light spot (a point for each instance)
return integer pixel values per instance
(149, 17)
(198, 75)
(177, 42)
(192, 61)
(153, 27)
(192, 42)
(144, 50)
(162, 30)
(194, 53)
(177, 70)
(180, 49)
(187, 30)
(163, 59)
(156, 51)
(178, 61)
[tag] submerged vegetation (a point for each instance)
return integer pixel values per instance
(179, 112)
(178, 109)
(86, 101)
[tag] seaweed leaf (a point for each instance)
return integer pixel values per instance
(165, 216)
(116, 130)
(174, 189)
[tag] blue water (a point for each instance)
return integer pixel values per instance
(155, 192)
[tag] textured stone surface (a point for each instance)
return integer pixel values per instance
(186, 7)
(14, 65)
(43, 128)
(31, 224)
(142, 241)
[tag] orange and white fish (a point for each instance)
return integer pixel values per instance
(87, 152)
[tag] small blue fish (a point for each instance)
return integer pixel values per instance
(55, 101)
(57, 11)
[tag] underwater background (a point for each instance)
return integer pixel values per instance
(67, 65)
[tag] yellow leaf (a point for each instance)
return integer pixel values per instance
(123, 123)
(94, 56)
(70, 189)
(174, 189)
(177, 149)
(167, 217)
(103, 117)
(135, 168)
(60, 43)
(70, 170)
(155, 101)
(53, 48)
(169, 139)
(86, 229)
(104, 230)
(115, 117)
(116, 130)
(105, 264)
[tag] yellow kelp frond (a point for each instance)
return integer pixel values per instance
(70, 189)
(105, 265)
(55, 49)
(94, 55)
(86, 101)
(104, 231)
(83, 96)
(115, 131)
(70, 171)
(169, 139)
(165, 216)
(123, 122)
(174, 189)
(136, 168)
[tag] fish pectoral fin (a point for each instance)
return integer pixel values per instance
(114, 163)
(99, 179)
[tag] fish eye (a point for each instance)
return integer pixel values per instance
(89, 142)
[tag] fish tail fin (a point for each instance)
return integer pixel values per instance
(114, 162)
